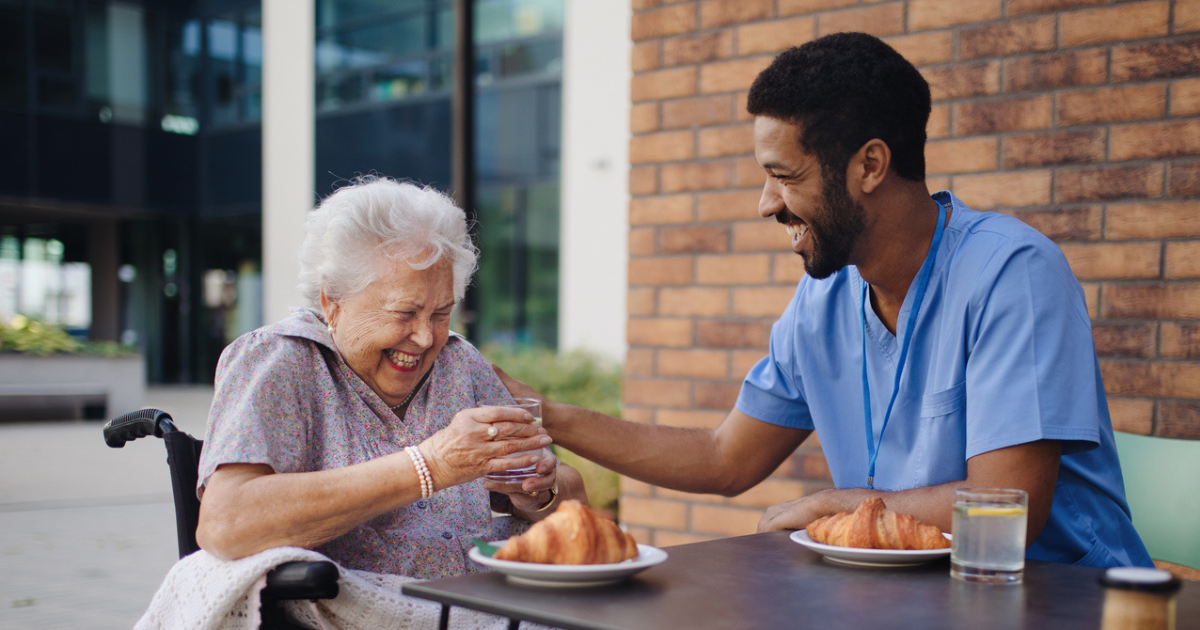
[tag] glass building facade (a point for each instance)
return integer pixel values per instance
(130, 158)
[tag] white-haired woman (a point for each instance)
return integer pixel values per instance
(351, 427)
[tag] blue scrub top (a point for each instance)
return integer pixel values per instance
(1002, 354)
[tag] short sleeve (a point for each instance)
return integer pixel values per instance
(258, 414)
(1031, 369)
(772, 391)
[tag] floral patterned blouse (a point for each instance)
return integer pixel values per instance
(285, 398)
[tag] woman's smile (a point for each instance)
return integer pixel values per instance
(401, 360)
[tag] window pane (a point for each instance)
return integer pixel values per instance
(331, 13)
(497, 20)
(222, 64)
(13, 72)
(53, 25)
(182, 74)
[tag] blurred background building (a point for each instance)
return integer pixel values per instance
(131, 160)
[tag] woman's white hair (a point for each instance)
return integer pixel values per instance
(348, 233)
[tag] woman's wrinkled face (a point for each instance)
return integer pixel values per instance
(391, 332)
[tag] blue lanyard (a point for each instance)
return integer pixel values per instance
(922, 285)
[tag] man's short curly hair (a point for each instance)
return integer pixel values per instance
(843, 90)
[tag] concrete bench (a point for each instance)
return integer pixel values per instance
(58, 401)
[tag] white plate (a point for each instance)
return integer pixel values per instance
(570, 575)
(871, 557)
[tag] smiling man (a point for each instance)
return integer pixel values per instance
(930, 346)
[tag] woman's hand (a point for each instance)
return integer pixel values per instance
(476, 442)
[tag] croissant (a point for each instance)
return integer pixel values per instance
(573, 534)
(873, 526)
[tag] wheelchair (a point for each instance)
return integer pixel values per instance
(288, 581)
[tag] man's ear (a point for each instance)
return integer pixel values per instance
(869, 166)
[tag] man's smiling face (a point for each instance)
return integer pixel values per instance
(823, 222)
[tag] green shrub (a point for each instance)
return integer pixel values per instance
(30, 336)
(577, 378)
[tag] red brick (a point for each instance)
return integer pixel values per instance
(1184, 180)
(1153, 220)
(1181, 340)
(1091, 297)
(1095, 261)
(939, 122)
(707, 364)
(728, 206)
(1167, 380)
(1069, 224)
(654, 513)
(975, 79)
(743, 360)
(1020, 7)
(664, 332)
(961, 156)
(738, 269)
(748, 174)
(664, 539)
(1007, 38)
(694, 239)
(701, 48)
(717, 13)
(643, 180)
(694, 302)
(1111, 104)
(922, 49)
(760, 235)
(1183, 260)
(639, 301)
(799, 7)
(1180, 420)
(1154, 140)
(1063, 147)
(1085, 67)
(699, 111)
(633, 486)
(660, 210)
(1023, 188)
(740, 108)
(1131, 415)
(725, 521)
(1011, 114)
(761, 301)
(690, 419)
(1175, 300)
(930, 14)
(1111, 183)
(1156, 61)
(662, 147)
(640, 415)
(731, 76)
(643, 241)
(1136, 20)
(774, 36)
(770, 492)
(643, 117)
(660, 84)
(727, 141)
(1187, 16)
(732, 333)
(1128, 341)
(1185, 97)
(878, 20)
(695, 176)
(639, 362)
(645, 56)
(787, 269)
(717, 395)
(660, 270)
(662, 22)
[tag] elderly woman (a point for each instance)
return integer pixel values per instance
(352, 428)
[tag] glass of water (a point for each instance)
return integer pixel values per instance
(989, 535)
(534, 407)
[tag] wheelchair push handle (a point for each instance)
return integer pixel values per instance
(137, 424)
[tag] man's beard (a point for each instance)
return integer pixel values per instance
(835, 227)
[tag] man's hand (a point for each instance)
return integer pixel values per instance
(798, 513)
(517, 388)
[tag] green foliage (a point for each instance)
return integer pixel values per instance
(29, 336)
(576, 378)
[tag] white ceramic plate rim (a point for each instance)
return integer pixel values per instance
(571, 573)
(880, 557)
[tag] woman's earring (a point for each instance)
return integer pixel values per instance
(330, 327)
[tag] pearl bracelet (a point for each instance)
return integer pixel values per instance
(422, 468)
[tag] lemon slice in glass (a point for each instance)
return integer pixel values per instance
(996, 510)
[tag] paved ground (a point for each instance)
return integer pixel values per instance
(86, 532)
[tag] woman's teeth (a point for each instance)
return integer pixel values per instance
(401, 359)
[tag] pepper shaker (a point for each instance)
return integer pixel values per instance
(1137, 598)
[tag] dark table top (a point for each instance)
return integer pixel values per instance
(768, 581)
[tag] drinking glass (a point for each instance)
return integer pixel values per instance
(534, 407)
(989, 535)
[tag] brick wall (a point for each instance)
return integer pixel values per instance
(1082, 117)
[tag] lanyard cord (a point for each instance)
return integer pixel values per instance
(922, 285)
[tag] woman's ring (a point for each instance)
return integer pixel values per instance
(493, 432)
(533, 493)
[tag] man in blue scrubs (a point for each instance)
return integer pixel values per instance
(930, 346)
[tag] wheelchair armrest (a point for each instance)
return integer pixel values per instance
(302, 580)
